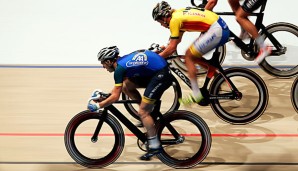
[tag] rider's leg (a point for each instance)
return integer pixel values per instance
(246, 24)
(158, 84)
(190, 61)
(235, 5)
(130, 89)
(148, 122)
(216, 36)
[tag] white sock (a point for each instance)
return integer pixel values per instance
(153, 142)
(195, 88)
(260, 42)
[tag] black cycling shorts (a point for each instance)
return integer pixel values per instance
(159, 83)
(251, 5)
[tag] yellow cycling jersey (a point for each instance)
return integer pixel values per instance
(190, 19)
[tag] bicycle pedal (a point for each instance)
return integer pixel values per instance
(150, 154)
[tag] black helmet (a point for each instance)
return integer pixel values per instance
(111, 52)
(162, 9)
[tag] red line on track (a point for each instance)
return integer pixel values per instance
(131, 135)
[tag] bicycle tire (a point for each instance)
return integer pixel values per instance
(269, 66)
(181, 64)
(132, 109)
(294, 94)
(235, 111)
(73, 137)
(178, 155)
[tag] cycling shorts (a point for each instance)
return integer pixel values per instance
(159, 83)
(217, 35)
(250, 5)
(141, 82)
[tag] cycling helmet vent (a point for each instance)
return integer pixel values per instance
(161, 9)
(106, 53)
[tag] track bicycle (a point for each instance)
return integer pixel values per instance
(281, 36)
(294, 94)
(96, 139)
(236, 95)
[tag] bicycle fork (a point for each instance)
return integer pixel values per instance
(94, 138)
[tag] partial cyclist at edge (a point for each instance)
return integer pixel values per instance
(139, 67)
(242, 12)
(215, 33)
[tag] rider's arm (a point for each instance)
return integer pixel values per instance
(172, 46)
(210, 4)
(115, 94)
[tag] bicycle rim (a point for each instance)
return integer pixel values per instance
(294, 94)
(195, 146)
(285, 65)
(90, 154)
(254, 96)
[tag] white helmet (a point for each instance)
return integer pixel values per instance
(162, 9)
(106, 53)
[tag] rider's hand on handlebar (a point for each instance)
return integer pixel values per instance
(156, 48)
(97, 96)
(93, 107)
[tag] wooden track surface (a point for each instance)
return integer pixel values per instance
(37, 103)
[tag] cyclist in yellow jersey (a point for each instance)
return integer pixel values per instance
(215, 33)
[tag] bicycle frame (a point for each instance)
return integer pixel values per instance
(213, 68)
(140, 135)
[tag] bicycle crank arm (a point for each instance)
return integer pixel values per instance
(230, 96)
(173, 141)
(279, 52)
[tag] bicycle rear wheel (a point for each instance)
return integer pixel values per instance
(94, 153)
(193, 144)
(254, 96)
(294, 94)
(283, 65)
(169, 100)
(179, 62)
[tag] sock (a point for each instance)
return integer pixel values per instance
(195, 88)
(260, 42)
(153, 142)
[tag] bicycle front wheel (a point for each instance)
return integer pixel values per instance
(170, 100)
(283, 65)
(254, 96)
(294, 94)
(89, 152)
(192, 141)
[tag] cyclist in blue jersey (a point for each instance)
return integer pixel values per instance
(142, 68)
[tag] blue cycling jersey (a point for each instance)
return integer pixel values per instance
(141, 63)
